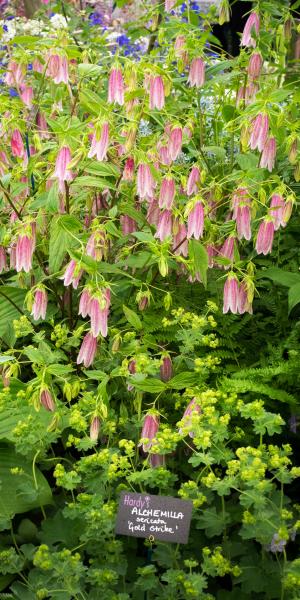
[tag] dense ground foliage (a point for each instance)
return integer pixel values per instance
(149, 296)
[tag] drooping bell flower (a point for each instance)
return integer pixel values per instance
(149, 431)
(265, 236)
(277, 211)
(243, 222)
(3, 263)
(244, 299)
(167, 193)
(175, 143)
(99, 311)
(39, 307)
(164, 227)
(72, 274)
(164, 155)
(180, 49)
(166, 368)
(87, 350)
(180, 242)
(61, 166)
(58, 69)
(84, 303)
(196, 221)
(157, 460)
(255, 65)
(196, 76)
(128, 171)
(231, 293)
(193, 181)
(193, 408)
(267, 160)
(251, 27)
(242, 213)
(96, 245)
(46, 400)
(16, 143)
(100, 143)
(211, 253)
(287, 211)
(94, 429)
(37, 66)
(15, 74)
(145, 182)
(128, 225)
(156, 93)
(41, 124)
(153, 213)
(116, 86)
(227, 250)
(24, 251)
(26, 95)
(259, 132)
(132, 371)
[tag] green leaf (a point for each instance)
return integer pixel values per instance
(148, 385)
(102, 169)
(280, 276)
(183, 380)
(5, 359)
(132, 318)
(14, 497)
(214, 523)
(86, 70)
(91, 101)
(198, 255)
(11, 306)
(59, 370)
(247, 161)
(294, 296)
(90, 181)
(61, 238)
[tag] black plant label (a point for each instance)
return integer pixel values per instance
(155, 517)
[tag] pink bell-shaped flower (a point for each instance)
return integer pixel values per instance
(259, 132)
(46, 400)
(94, 428)
(255, 65)
(39, 307)
(193, 181)
(164, 227)
(193, 408)
(157, 93)
(100, 143)
(251, 27)
(99, 311)
(268, 156)
(149, 431)
(72, 274)
(128, 171)
(231, 294)
(87, 350)
(58, 69)
(277, 211)
(62, 172)
(24, 251)
(16, 142)
(175, 143)
(166, 368)
(265, 237)
(196, 76)
(116, 87)
(180, 242)
(196, 221)
(145, 182)
(167, 193)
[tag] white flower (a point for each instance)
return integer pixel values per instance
(58, 21)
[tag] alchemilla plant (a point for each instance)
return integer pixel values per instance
(149, 229)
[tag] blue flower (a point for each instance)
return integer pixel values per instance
(13, 93)
(123, 40)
